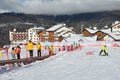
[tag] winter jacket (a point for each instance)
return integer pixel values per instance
(38, 46)
(13, 52)
(1, 54)
(51, 47)
(104, 48)
(30, 46)
(18, 50)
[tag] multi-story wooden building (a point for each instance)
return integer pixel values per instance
(56, 33)
(111, 34)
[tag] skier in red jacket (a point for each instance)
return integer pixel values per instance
(18, 50)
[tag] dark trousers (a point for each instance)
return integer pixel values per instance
(31, 53)
(18, 55)
(104, 52)
(39, 53)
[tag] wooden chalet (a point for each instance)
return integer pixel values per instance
(103, 35)
(86, 33)
(99, 34)
(55, 33)
(115, 27)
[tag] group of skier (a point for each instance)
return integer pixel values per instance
(30, 46)
(16, 51)
(49, 48)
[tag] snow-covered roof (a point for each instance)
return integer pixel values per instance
(62, 33)
(91, 30)
(117, 37)
(107, 31)
(63, 28)
(72, 39)
(80, 37)
(93, 38)
(68, 34)
(115, 23)
(38, 28)
(55, 27)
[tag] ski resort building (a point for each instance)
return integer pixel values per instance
(17, 37)
(39, 34)
(111, 34)
(21, 37)
(33, 34)
(56, 33)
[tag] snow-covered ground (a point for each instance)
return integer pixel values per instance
(80, 64)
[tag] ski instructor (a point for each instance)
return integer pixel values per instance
(30, 48)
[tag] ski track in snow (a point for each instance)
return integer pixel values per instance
(76, 65)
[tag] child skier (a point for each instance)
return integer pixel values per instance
(13, 53)
(104, 49)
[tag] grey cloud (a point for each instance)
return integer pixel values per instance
(10, 5)
(59, 6)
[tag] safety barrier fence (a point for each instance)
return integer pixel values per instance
(57, 49)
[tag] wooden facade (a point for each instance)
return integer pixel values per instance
(47, 36)
(60, 38)
(86, 33)
(100, 35)
(51, 36)
(41, 36)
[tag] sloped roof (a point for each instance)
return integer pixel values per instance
(55, 27)
(107, 31)
(71, 39)
(63, 28)
(62, 33)
(91, 30)
(116, 23)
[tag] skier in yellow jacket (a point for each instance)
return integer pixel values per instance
(104, 49)
(50, 50)
(30, 46)
(39, 50)
(1, 54)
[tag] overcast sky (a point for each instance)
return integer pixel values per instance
(56, 7)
